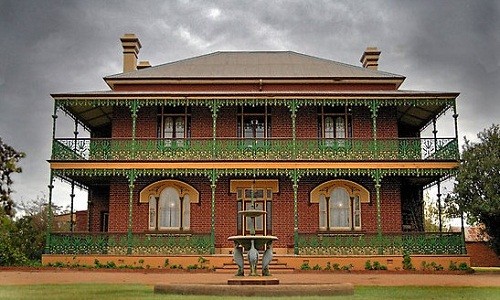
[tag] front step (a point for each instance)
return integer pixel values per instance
(275, 267)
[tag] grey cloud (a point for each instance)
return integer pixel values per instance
(59, 46)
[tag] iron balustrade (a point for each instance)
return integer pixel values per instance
(281, 149)
(414, 243)
(119, 243)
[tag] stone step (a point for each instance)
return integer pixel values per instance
(274, 267)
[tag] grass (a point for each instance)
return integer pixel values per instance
(127, 291)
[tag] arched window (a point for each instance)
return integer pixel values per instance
(339, 203)
(169, 211)
(169, 204)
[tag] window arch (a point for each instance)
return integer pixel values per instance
(339, 203)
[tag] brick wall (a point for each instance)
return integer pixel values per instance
(99, 203)
(361, 122)
(122, 122)
(282, 208)
(226, 122)
(387, 124)
(281, 121)
(306, 122)
(481, 255)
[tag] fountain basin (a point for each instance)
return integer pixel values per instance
(245, 241)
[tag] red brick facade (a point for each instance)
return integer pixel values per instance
(225, 202)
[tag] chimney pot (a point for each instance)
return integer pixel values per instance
(131, 46)
(370, 58)
(143, 64)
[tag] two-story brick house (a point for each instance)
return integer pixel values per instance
(332, 152)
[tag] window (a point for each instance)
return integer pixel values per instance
(339, 204)
(254, 125)
(339, 211)
(334, 123)
(169, 211)
(174, 125)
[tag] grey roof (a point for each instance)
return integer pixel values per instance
(259, 64)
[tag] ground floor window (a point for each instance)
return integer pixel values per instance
(339, 211)
(339, 204)
(169, 204)
(170, 211)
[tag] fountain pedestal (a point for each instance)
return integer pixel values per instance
(253, 243)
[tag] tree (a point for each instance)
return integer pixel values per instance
(9, 158)
(22, 240)
(477, 186)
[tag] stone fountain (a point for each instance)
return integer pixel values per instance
(253, 243)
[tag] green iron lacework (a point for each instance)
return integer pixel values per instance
(373, 244)
(256, 149)
(118, 244)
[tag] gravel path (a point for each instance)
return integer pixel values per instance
(15, 277)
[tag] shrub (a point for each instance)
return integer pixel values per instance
(368, 265)
(305, 266)
(407, 265)
(317, 267)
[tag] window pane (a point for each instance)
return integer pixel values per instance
(357, 212)
(169, 209)
(322, 212)
(339, 208)
(329, 131)
(186, 212)
(152, 213)
(168, 128)
(340, 127)
(179, 131)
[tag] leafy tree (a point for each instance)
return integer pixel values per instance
(477, 187)
(22, 239)
(9, 158)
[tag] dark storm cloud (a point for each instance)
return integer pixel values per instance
(64, 46)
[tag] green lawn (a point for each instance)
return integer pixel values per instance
(125, 291)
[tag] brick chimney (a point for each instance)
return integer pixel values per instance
(131, 46)
(370, 58)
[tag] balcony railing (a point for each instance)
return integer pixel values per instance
(119, 244)
(388, 244)
(408, 149)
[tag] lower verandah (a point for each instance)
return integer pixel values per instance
(319, 231)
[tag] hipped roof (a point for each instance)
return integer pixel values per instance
(254, 64)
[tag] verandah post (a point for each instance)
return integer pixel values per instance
(295, 213)
(131, 178)
(377, 179)
(51, 186)
(213, 187)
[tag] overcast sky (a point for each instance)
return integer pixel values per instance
(68, 46)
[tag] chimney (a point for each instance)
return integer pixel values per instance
(370, 58)
(143, 64)
(131, 46)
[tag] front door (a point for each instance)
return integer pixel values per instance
(261, 199)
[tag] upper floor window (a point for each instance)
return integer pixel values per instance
(174, 124)
(254, 123)
(334, 122)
